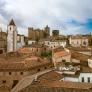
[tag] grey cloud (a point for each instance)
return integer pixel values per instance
(38, 13)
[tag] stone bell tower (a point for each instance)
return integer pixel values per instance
(11, 37)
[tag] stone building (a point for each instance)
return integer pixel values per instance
(34, 49)
(60, 56)
(77, 41)
(50, 82)
(3, 42)
(14, 40)
(11, 37)
(71, 77)
(36, 34)
(15, 66)
(53, 44)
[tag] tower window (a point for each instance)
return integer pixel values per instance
(10, 28)
(63, 60)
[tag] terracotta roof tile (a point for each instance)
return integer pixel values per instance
(65, 84)
(79, 56)
(61, 53)
(51, 80)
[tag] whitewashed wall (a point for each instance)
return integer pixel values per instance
(85, 75)
(72, 79)
(31, 42)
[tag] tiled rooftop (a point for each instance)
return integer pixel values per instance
(66, 84)
(86, 69)
(20, 62)
(51, 76)
(51, 80)
(81, 49)
(61, 53)
(80, 56)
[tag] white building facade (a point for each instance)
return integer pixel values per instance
(54, 44)
(77, 41)
(11, 37)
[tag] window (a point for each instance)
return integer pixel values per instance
(4, 81)
(38, 70)
(45, 49)
(89, 79)
(77, 42)
(10, 28)
(9, 73)
(45, 68)
(84, 43)
(82, 79)
(48, 43)
(21, 73)
(37, 49)
(1, 51)
(63, 60)
(32, 42)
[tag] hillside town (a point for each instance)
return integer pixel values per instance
(44, 62)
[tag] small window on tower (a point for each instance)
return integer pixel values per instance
(10, 28)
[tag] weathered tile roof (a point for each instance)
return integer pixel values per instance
(51, 80)
(85, 69)
(80, 56)
(61, 54)
(21, 62)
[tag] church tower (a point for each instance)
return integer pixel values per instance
(47, 30)
(11, 37)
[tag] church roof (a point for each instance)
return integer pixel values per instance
(12, 22)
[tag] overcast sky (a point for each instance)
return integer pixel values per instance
(69, 16)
